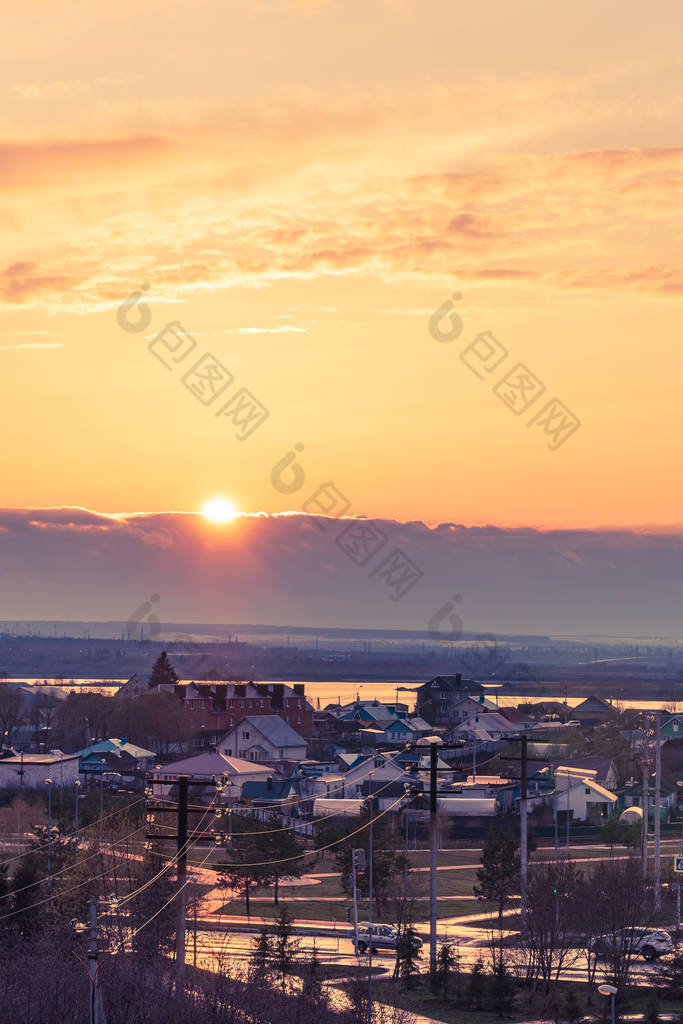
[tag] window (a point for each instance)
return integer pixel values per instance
(378, 762)
(245, 735)
(588, 792)
(203, 725)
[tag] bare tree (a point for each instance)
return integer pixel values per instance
(552, 919)
(619, 894)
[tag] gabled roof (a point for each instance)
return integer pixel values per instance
(601, 765)
(114, 745)
(213, 763)
(595, 786)
(419, 724)
(516, 716)
(274, 729)
(592, 703)
(454, 684)
(267, 789)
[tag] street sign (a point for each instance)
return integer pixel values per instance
(678, 865)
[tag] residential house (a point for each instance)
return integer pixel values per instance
(215, 708)
(437, 698)
(213, 766)
(632, 796)
(592, 711)
(263, 738)
(133, 687)
(584, 798)
(31, 770)
(672, 728)
(604, 768)
(486, 727)
(518, 718)
(381, 767)
(406, 730)
(269, 792)
(115, 757)
(468, 707)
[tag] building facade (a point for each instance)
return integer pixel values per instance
(215, 708)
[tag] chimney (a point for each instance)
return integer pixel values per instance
(278, 696)
(299, 689)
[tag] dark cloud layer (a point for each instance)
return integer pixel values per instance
(73, 563)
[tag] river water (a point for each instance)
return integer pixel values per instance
(322, 693)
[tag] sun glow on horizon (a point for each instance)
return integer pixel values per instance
(219, 510)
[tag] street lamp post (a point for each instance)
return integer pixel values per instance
(609, 990)
(48, 783)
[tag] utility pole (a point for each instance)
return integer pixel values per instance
(523, 833)
(95, 1017)
(183, 782)
(524, 821)
(658, 823)
(181, 876)
(48, 783)
(372, 813)
(433, 845)
(646, 804)
(356, 856)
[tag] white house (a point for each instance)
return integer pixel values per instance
(263, 738)
(485, 726)
(31, 770)
(379, 767)
(212, 765)
(468, 707)
(583, 797)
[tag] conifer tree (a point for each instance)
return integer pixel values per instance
(163, 673)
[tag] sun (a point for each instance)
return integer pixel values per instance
(219, 510)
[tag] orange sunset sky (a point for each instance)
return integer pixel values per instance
(301, 184)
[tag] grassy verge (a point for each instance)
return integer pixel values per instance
(323, 911)
(526, 1005)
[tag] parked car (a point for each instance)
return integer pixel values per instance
(649, 942)
(380, 936)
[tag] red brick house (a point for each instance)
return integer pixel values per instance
(214, 708)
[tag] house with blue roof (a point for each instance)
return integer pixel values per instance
(269, 792)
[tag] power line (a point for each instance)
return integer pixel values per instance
(64, 892)
(69, 867)
(288, 803)
(321, 849)
(70, 835)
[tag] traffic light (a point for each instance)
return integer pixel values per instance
(348, 915)
(359, 860)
